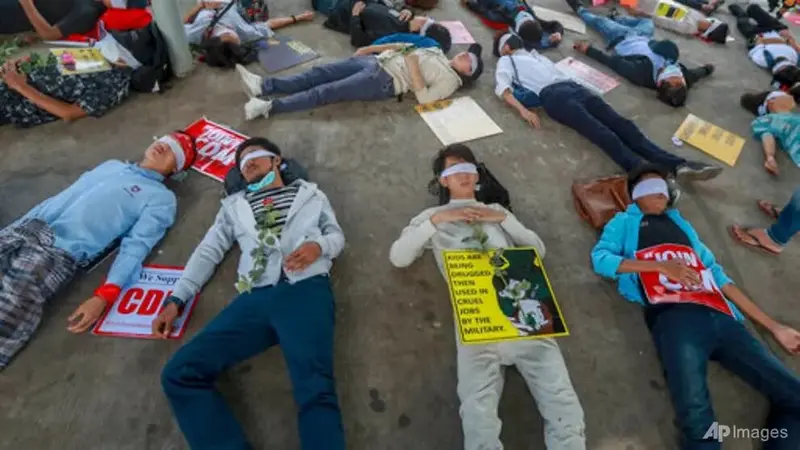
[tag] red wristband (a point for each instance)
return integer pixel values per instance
(108, 292)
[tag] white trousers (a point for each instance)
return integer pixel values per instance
(481, 376)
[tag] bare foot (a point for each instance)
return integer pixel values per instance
(763, 238)
(305, 15)
(772, 166)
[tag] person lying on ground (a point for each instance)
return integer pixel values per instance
(221, 31)
(575, 106)
(707, 7)
(684, 21)
(774, 239)
(693, 313)
(481, 368)
(636, 56)
(417, 40)
(398, 69)
(45, 95)
(535, 32)
(56, 19)
(41, 251)
(288, 236)
(770, 44)
(776, 126)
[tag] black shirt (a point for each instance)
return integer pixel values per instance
(69, 16)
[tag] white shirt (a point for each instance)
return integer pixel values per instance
(777, 51)
(682, 19)
(535, 72)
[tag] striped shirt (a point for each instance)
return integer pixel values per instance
(278, 200)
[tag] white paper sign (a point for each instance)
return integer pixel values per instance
(458, 120)
(569, 21)
(138, 304)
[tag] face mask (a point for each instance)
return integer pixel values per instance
(266, 181)
(672, 70)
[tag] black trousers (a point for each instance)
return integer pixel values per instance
(764, 21)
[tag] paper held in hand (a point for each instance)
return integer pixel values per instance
(502, 295)
(587, 75)
(457, 120)
(139, 303)
(716, 141)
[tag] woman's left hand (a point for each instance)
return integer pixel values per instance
(489, 215)
(13, 78)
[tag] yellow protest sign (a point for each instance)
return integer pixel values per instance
(716, 141)
(73, 61)
(670, 11)
(502, 295)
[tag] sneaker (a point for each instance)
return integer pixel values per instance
(674, 192)
(575, 5)
(257, 107)
(697, 171)
(251, 83)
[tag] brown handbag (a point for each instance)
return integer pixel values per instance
(598, 200)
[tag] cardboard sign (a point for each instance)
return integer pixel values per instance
(279, 52)
(74, 61)
(792, 17)
(139, 303)
(216, 147)
(458, 32)
(502, 295)
(660, 290)
(458, 120)
(569, 21)
(716, 141)
(670, 10)
(587, 75)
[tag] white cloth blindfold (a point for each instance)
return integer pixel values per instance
(119, 4)
(474, 63)
(780, 66)
(177, 150)
(763, 108)
(650, 186)
(255, 154)
(426, 25)
(503, 40)
(459, 168)
(715, 23)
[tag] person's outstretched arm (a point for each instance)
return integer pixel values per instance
(18, 82)
(439, 89)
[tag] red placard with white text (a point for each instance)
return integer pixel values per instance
(659, 289)
(216, 147)
(138, 304)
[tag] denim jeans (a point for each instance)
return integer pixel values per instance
(297, 316)
(578, 108)
(686, 338)
(352, 79)
(617, 29)
(788, 223)
(695, 4)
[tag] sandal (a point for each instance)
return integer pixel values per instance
(769, 209)
(744, 237)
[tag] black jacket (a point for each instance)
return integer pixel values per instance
(503, 12)
(375, 21)
(639, 70)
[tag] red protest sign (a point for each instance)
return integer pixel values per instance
(216, 147)
(659, 289)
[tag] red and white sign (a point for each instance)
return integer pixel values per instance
(587, 75)
(459, 33)
(216, 147)
(133, 312)
(659, 289)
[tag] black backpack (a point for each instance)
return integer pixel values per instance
(148, 46)
(291, 170)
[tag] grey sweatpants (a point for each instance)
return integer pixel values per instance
(481, 376)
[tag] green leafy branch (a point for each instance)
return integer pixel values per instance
(268, 229)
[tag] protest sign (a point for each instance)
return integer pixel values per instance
(216, 147)
(502, 295)
(660, 290)
(587, 75)
(138, 304)
(671, 10)
(569, 21)
(279, 52)
(459, 33)
(457, 120)
(74, 61)
(716, 141)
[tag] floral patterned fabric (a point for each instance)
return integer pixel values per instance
(95, 93)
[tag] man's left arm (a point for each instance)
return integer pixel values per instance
(43, 28)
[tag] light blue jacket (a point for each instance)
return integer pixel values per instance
(415, 39)
(620, 241)
(113, 200)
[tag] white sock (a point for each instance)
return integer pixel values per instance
(251, 83)
(256, 107)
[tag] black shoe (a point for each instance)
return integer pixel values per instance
(709, 69)
(613, 14)
(697, 171)
(575, 5)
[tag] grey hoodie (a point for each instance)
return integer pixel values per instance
(310, 219)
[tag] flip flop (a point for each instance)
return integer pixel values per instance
(769, 209)
(754, 244)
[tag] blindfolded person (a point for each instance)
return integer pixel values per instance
(639, 58)
(692, 309)
(288, 236)
(398, 69)
(776, 127)
(522, 21)
(40, 252)
(678, 19)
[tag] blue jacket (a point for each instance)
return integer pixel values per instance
(415, 39)
(505, 11)
(113, 200)
(620, 240)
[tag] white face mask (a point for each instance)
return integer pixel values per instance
(670, 71)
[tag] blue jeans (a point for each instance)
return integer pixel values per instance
(352, 79)
(580, 109)
(687, 337)
(788, 223)
(617, 29)
(299, 317)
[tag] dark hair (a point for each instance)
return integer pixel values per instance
(720, 35)
(262, 142)
(530, 31)
(191, 161)
(440, 34)
(489, 190)
(672, 95)
(514, 41)
(218, 53)
(635, 175)
(787, 76)
(751, 101)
